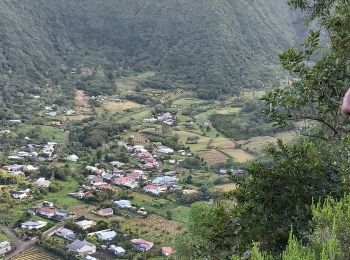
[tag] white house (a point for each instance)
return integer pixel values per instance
(85, 224)
(42, 183)
(123, 204)
(165, 150)
(104, 235)
(21, 194)
(33, 224)
(72, 158)
(117, 250)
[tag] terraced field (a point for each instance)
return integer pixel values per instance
(35, 253)
(213, 157)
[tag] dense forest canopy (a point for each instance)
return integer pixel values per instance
(215, 47)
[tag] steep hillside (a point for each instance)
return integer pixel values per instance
(215, 46)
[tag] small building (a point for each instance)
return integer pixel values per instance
(155, 189)
(33, 225)
(105, 235)
(126, 182)
(42, 183)
(47, 212)
(142, 245)
(165, 150)
(150, 120)
(30, 168)
(96, 181)
(20, 194)
(108, 212)
(72, 158)
(13, 168)
(66, 234)
(5, 247)
(82, 248)
(15, 121)
(85, 224)
(167, 251)
(189, 191)
(165, 180)
(123, 204)
(117, 250)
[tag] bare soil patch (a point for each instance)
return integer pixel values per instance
(238, 154)
(213, 157)
(158, 223)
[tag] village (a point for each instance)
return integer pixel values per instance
(104, 177)
(148, 176)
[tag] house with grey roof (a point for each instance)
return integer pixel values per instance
(82, 248)
(66, 234)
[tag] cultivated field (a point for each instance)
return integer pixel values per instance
(228, 110)
(119, 106)
(238, 155)
(81, 102)
(158, 223)
(34, 253)
(213, 157)
(226, 187)
(257, 144)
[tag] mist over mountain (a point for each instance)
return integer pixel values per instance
(214, 47)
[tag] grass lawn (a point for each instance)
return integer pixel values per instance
(129, 83)
(136, 115)
(257, 144)
(202, 141)
(3, 237)
(119, 106)
(180, 213)
(50, 132)
(187, 101)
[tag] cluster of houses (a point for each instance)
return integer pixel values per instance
(49, 211)
(51, 111)
(167, 119)
(41, 152)
(107, 237)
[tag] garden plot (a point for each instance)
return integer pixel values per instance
(213, 157)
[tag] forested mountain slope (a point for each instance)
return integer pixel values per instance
(215, 46)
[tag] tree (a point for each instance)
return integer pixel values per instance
(212, 232)
(329, 240)
(275, 198)
(316, 86)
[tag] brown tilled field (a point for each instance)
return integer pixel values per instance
(34, 253)
(81, 102)
(213, 157)
(225, 187)
(158, 223)
(238, 155)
